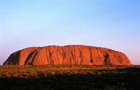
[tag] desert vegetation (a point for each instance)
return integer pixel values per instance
(69, 77)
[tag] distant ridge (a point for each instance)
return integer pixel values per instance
(67, 55)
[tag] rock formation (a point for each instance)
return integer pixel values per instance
(67, 55)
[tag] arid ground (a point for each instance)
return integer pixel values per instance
(67, 77)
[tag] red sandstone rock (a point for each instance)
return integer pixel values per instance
(67, 55)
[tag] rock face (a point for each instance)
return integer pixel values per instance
(67, 55)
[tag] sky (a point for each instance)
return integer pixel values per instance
(113, 24)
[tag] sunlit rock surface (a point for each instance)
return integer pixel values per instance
(67, 55)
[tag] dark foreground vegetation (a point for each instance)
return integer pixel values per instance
(66, 77)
